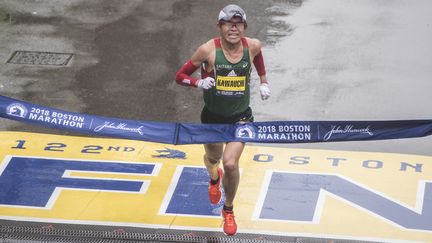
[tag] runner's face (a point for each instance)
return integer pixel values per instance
(232, 30)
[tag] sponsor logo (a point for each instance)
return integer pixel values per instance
(348, 129)
(17, 109)
(232, 74)
(245, 64)
(120, 126)
(223, 66)
(245, 131)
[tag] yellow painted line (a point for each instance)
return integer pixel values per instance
(397, 177)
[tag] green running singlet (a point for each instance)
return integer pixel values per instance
(231, 94)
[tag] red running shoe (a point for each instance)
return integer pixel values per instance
(230, 226)
(214, 191)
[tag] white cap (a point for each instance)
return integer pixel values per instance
(230, 11)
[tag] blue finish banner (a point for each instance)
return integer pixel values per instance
(191, 133)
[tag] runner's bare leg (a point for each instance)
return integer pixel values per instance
(212, 157)
(231, 177)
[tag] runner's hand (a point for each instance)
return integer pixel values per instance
(265, 91)
(206, 83)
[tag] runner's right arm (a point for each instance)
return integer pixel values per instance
(183, 75)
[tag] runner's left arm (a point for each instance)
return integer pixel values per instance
(258, 62)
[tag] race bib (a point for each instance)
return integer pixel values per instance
(230, 85)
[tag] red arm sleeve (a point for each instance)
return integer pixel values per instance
(183, 74)
(259, 64)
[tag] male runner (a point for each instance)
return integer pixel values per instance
(225, 74)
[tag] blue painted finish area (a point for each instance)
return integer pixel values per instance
(190, 196)
(295, 197)
(283, 191)
(32, 181)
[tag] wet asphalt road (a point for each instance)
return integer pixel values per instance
(126, 54)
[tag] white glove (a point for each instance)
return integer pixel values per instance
(206, 83)
(265, 91)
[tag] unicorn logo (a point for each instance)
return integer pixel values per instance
(16, 109)
(245, 131)
(170, 154)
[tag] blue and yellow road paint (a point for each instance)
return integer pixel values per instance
(283, 191)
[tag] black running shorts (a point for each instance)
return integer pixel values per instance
(210, 117)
